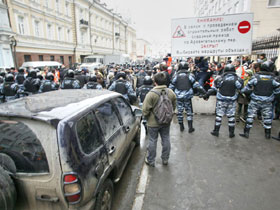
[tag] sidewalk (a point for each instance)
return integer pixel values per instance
(206, 172)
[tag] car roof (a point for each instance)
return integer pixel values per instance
(54, 106)
(40, 64)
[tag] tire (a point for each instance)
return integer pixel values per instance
(8, 193)
(137, 138)
(104, 198)
(7, 163)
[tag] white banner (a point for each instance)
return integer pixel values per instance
(210, 36)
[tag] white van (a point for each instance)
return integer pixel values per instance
(41, 64)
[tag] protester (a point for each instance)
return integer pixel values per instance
(154, 126)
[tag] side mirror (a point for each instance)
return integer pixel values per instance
(138, 112)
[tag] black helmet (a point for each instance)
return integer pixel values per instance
(121, 74)
(70, 73)
(92, 78)
(267, 66)
(1, 79)
(3, 74)
(148, 80)
(32, 74)
(21, 70)
(9, 78)
(183, 65)
(229, 68)
(50, 76)
(40, 76)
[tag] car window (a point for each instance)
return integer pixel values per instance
(19, 142)
(88, 134)
(125, 111)
(108, 119)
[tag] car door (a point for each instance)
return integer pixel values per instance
(94, 160)
(127, 118)
(113, 132)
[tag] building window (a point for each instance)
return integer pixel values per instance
(21, 25)
(36, 28)
(81, 13)
(273, 3)
(49, 31)
(70, 61)
(52, 58)
(82, 37)
(67, 8)
(47, 3)
(68, 35)
(57, 5)
(27, 58)
(59, 36)
(62, 59)
(41, 58)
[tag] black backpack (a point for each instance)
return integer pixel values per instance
(163, 110)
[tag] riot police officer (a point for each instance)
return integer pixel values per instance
(262, 89)
(140, 78)
(20, 77)
(93, 84)
(81, 77)
(144, 89)
(9, 88)
(69, 82)
(32, 83)
(123, 87)
(48, 84)
(226, 87)
(183, 84)
(1, 86)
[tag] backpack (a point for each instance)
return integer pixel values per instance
(163, 110)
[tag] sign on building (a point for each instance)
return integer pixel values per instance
(211, 36)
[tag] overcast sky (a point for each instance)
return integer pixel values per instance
(153, 17)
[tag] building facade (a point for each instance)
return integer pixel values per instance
(6, 37)
(266, 12)
(67, 30)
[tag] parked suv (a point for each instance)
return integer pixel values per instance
(64, 149)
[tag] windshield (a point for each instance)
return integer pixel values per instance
(19, 142)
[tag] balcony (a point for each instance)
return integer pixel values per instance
(83, 24)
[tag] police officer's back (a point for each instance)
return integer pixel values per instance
(9, 88)
(123, 87)
(262, 88)
(81, 77)
(93, 84)
(32, 83)
(145, 88)
(70, 82)
(48, 84)
(20, 77)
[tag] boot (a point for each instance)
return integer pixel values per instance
(182, 128)
(190, 124)
(246, 133)
(267, 133)
(277, 138)
(231, 131)
(215, 132)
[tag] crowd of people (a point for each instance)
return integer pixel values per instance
(243, 89)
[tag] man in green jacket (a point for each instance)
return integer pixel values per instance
(154, 128)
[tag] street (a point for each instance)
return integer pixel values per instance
(206, 172)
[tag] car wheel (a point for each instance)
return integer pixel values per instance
(137, 137)
(8, 193)
(105, 196)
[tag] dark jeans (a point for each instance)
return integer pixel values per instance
(153, 132)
